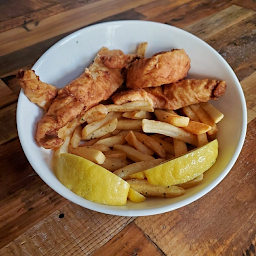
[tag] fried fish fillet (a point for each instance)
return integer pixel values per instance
(37, 91)
(161, 68)
(97, 83)
(176, 95)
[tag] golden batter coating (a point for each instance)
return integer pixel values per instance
(161, 68)
(176, 95)
(37, 91)
(97, 83)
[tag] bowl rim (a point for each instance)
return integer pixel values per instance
(162, 209)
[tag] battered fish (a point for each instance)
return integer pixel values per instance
(97, 83)
(161, 68)
(176, 95)
(37, 91)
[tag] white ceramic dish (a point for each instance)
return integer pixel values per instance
(67, 59)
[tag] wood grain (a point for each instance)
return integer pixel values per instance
(64, 22)
(194, 229)
(131, 241)
(8, 130)
(237, 46)
(69, 230)
(24, 197)
(6, 95)
(35, 220)
(222, 20)
(249, 89)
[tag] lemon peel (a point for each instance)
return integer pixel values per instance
(184, 168)
(90, 180)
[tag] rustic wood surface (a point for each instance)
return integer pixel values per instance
(34, 220)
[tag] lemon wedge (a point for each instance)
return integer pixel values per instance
(90, 180)
(184, 168)
(135, 196)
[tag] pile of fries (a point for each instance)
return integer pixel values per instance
(130, 138)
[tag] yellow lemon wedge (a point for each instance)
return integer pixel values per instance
(184, 168)
(90, 180)
(135, 196)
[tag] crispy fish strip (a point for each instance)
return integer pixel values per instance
(176, 95)
(161, 68)
(97, 83)
(37, 91)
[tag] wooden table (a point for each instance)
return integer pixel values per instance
(34, 220)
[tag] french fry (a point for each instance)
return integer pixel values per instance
(91, 154)
(103, 130)
(150, 143)
(93, 114)
(192, 183)
(88, 143)
(115, 154)
(133, 141)
(133, 153)
(64, 148)
(115, 132)
(131, 106)
(137, 167)
(171, 118)
(151, 126)
(100, 147)
(137, 114)
(90, 128)
(190, 113)
(180, 147)
(202, 139)
(125, 124)
(146, 189)
(142, 47)
(76, 137)
(213, 130)
(168, 147)
(68, 129)
(113, 164)
(113, 140)
(202, 114)
(214, 113)
(197, 127)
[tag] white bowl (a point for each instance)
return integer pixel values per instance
(67, 59)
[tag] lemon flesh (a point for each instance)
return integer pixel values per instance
(135, 196)
(90, 180)
(184, 168)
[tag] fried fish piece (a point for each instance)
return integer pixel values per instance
(161, 68)
(97, 83)
(176, 95)
(37, 91)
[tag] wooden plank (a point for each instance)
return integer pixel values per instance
(8, 130)
(24, 198)
(71, 230)
(156, 10)
(251, 250)
(28, 56)
(237, 46)
(20, 17)
(130, 241)
(249, 4)
(196, 230)
(249, 89)
(190, 11)
(6, 95)
(18, 38)
(219, 21)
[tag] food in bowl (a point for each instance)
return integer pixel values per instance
(145, 126)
